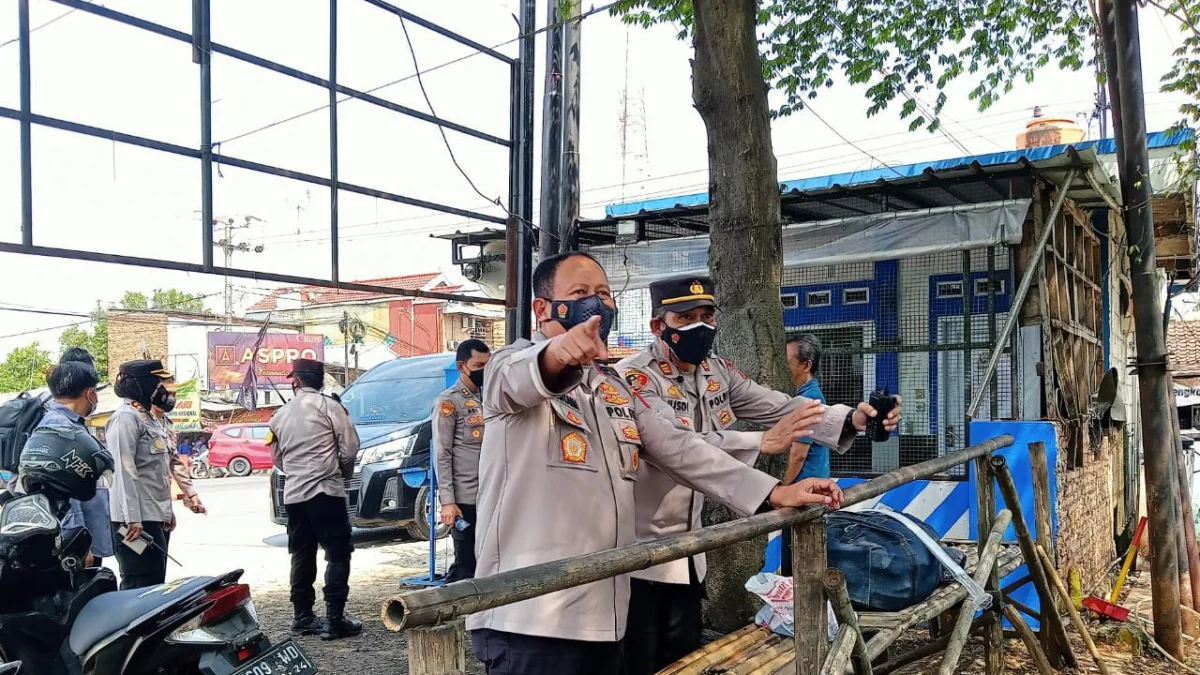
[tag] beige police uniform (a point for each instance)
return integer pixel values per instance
(315, 444)
(457, 436)
(557, 475)
(708, 401)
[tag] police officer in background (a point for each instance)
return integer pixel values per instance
(562, 451)
(314, 444)
(697, 392)
(140, 502)
(457, 435)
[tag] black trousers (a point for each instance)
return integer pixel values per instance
(463, 566)
(664, 624)
(321, 521)
(515, 654)
(150, 567)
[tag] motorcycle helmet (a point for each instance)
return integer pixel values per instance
(65, 461)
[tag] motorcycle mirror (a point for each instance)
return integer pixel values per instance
(10, 668)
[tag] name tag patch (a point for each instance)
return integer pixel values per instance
(621, 413)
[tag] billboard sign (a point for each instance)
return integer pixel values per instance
(230, 355)
(186, 415)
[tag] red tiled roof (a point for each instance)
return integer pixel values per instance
(1183, 344)
(317, 295)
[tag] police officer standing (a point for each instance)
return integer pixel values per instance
(677, 377)
(314, 444)
(561, 454)
(457, 435)
(140, 501)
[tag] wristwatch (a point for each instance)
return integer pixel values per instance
(848, 425)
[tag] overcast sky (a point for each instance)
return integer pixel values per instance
(102, 196)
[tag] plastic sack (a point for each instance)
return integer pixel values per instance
(778, 612)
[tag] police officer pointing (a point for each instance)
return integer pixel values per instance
(314, 444)
(562, 452)
(457, 435)
(678, 378)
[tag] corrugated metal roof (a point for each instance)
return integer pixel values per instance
(1052, 158)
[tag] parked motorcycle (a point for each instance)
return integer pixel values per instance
(59, 618)
(202, 469)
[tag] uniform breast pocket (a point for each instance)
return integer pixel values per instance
(574, 449)
(629, 442)
(159, 442)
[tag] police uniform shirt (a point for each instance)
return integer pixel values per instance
(556, 479)
(315, 445)
(457, 437)
(144, 462)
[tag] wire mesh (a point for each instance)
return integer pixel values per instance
(895, 324)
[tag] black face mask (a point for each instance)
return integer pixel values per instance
(571, 313)
(163, 399)
(691, 344)
(476, 378)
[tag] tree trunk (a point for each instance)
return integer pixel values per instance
(746, 246)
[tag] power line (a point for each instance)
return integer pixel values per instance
(40, 26)
(112, 312)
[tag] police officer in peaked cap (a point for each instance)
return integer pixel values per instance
(704, 395)
(314, 444)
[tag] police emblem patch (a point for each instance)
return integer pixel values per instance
(159, 445)
(573, 418)
(608, 388)
(675, 338)
(574, 448)
(674, 391)
(562, 311)
(616, 399)
(471, 403)
(713, 386)
(725, 417)
(637, 379)
(475, 433)
(447, 409)
(631, 433)
(696, 288)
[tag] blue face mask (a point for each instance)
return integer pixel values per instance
(571, 313)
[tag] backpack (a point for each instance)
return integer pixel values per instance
(887, 567)
(18, 418)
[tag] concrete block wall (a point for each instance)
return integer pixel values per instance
(131, 335)
(1086, 498)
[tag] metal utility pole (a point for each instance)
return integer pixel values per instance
(568, 172)
(519, 252)
(1157, 440)
(552, 137)
(227, 245)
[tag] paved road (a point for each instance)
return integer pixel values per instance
(238, 533)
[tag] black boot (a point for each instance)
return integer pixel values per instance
(304, 622)
(337, 624)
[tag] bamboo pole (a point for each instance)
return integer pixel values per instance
(993, 635)
(808, 598)
(1075, 618)
(437, 650)
(716, 650)
(435, 605)
(766, 654)
(926, 650)
(1030, 640)
(983, 572)
(839, 653)
(1051, 621)
(839, 598)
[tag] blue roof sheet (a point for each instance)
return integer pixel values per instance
(1107, 146)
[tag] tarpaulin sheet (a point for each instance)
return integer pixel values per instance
(881, 236)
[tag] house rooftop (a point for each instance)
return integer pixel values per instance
(317, 295)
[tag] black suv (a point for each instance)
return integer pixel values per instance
(390, 406)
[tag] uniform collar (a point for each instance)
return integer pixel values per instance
(464, 387)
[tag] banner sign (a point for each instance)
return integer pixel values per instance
(186, 415)
(231, 354)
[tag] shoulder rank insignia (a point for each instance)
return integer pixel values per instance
(574, 448)
(631, 433)
(475, 419)
(730, 366)
(608, 388)
(616, 399)
(447, 408)
(705, 367)
(465, 392)
(471, 403)
(725, 417)
(476, 433)
(673, 390)
(635, 461)
(685, 422)
(573, 418)
(713, 386)
(665, 368)
(637, 379)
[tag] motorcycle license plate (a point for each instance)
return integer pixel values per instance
(285, 658)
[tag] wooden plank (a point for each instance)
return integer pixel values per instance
(1049, 369)
(438, 649)
(993, 638)
(808, 595)
(985, 571)
(839, 653)
(1169, 209)
(1075, 618)
(839, 599)
(1174, 246)
(1040, 470)
(1077, 331)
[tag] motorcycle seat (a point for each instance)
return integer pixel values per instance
(113, 612)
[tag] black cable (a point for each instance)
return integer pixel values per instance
(40, 26)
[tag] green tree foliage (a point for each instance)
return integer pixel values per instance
(177, 301)
(25, 368)
(1184, 78)
(902, 49)
(95, 340)
(134, 300)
